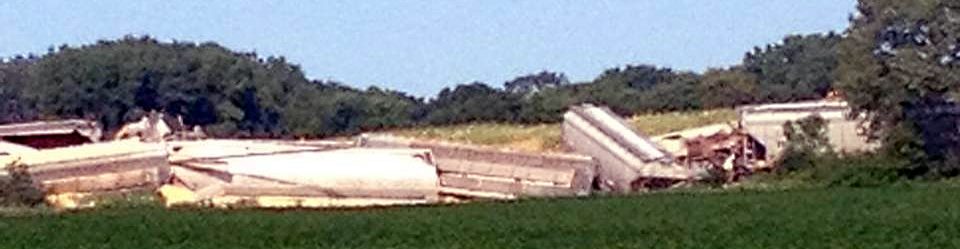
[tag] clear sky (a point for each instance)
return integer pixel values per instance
(422, 46)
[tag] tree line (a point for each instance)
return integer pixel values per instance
(242, 94)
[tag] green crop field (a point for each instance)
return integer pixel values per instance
(546, 137)
(893, 217)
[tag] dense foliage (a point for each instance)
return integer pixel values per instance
(898, 64)
(13, 76)
(799, 68)
(229, 93)
(244, 95)
(17, 189)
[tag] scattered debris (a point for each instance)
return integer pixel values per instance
(66, 161)
(194, 133)
(51, 134)
(150, 128)
(676, 142)
(765, 122)
(720, 148)
(484, 172)
(627, 160)
(155, 127)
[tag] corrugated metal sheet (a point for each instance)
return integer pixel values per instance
(485, 172)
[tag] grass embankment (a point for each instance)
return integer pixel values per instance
(896, 217)
(546, 137)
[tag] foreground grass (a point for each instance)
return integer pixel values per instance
(900, 217)
(546, 137)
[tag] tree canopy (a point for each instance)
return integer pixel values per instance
(241, 94)
(899, 65)
(230, 93)
(799, 68)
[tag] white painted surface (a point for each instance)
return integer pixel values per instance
(765, 122)
(351, 168)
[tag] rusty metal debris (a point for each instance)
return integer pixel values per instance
(722, 148)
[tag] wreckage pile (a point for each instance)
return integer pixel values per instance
(70, 174)
(67, 161)
(484, 172)
(630, 161)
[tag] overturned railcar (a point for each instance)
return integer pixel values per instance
(627, 159)
(765, 122)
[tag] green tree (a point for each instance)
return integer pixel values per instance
(13, 74)
(807, 143)
(471, 103)
(637, 88)
(230, 93)
(677, 93)
(726, 88)
(546, 106)
(898, 65)
(798, 68)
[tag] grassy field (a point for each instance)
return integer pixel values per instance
(895, 217)
(546, 137)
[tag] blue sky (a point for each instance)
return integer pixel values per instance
(423, 46)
